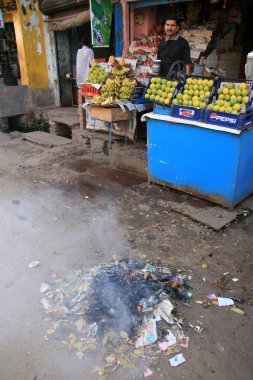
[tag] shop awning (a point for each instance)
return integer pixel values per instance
(150, 3)
(67, 22)
(50, 6)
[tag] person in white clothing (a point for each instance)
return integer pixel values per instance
(84, 60)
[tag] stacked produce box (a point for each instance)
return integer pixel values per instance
(219, 101)
(232, 105)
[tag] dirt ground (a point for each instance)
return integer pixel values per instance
(68, 212)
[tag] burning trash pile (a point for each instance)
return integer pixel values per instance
(125, 310)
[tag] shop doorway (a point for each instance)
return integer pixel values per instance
(68, 42)
(9, 64)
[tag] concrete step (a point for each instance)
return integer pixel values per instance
(132, 158)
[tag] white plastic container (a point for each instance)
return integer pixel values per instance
(249, 66)
(156, 67)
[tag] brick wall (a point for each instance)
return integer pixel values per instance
(41, 98)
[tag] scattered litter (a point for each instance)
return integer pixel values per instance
(222, 301)
(50, 331)
(235, 298)
(205, 304)
(204, 266)
(111, 359)
(223, 281)
(123, 309)
(44, 287)
(184, 342)
(212, 297)
(164, 310)
(147, 372)
(28, 353)
(150, 268)
(34, 264)
(196, 328)
(45, 303)
(149, 334)
(235, 279)
(237, 310)
(171, 338)
(177, 360)
(124, 335)
(86, 197)
(164, 345)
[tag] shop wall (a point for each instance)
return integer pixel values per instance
(29, 29)
(144, 21)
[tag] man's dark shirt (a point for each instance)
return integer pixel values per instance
(170, 51)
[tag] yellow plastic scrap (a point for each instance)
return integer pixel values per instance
(139, 351)
(79, 354)
(72, 338)
(123, 362)
(79, 345)
(50, 331)
(237, 310)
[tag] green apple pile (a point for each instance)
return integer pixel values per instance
(196, 93)
(161, 90)
(232, 98)
(96, 74)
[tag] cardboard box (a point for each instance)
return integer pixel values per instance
(109, 114)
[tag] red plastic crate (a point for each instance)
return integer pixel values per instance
(88, 90)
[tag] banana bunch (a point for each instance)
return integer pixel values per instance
(116, 88)
(110, 87)
(127, 88)
(129, 82)
(119, 70)
(102, 99)
(125, 93)
(96, 99)
(108, 100)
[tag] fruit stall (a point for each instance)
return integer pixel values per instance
(113, 97)
(200, 137)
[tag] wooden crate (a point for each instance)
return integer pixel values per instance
(109, 114)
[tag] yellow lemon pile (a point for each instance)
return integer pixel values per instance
(161, 90)
(196, 93)
(232, 98)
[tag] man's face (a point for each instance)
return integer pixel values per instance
(171, 28)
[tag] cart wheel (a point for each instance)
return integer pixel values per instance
(177, 66)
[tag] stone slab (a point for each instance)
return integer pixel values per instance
(70, 121)
(199, 210)
(45, 139)
(215, 217)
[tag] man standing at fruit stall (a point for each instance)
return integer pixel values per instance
(173, 48)
(84, 60)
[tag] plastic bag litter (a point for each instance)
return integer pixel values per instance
(147, 372)
(164, 309)
(34, 264)
(176, 360)
(149, 333)
(171, 338)
(44, 287)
